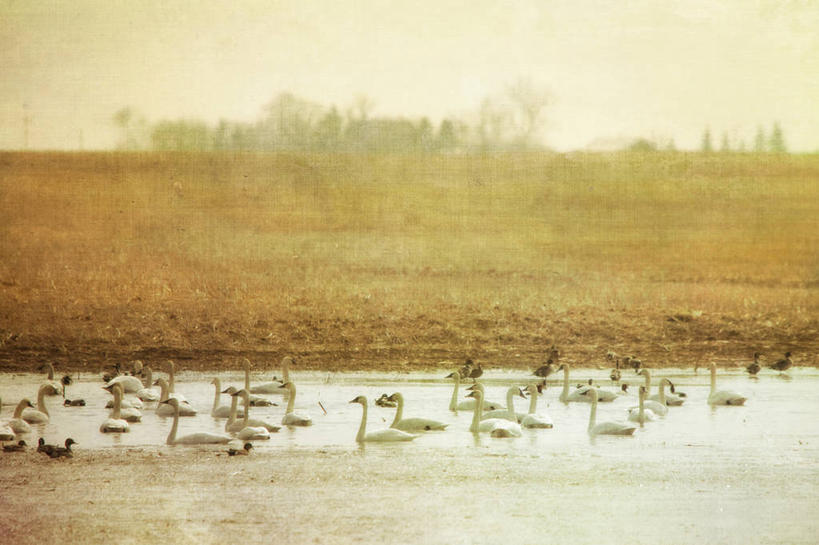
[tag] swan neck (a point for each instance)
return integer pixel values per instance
(453, 404)
(399, 412)
(532, 402)
(291, 402)
(18, 410)
(41, 406)
(163, 390)
(662, 391)
(476, 413)
(234, 402)
(593, 413)
(565, 393)
(285, 370)
(713, 378)
(510, 404)
(172, 435)
(247, 377)
(50, 372)
(362, 429)
(149, 379)
(246, 400)
(648, 382)
(218, 387)
(170, 380)
(115, 414)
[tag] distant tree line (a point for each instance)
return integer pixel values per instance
(773, 143)
(511, 120)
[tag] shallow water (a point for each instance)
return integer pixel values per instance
(726, 474)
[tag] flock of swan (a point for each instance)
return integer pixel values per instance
(132, 394)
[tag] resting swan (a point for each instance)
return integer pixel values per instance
(580, 394)
(172, 385)
(385, 435)
(130, 385)
(467, 404)
(247, 430)
(56, 384)
(40, 414)
(272, 387)
(130, 414)
(412, 424)
(147, 393)
(200, 438)
(233, 425)
(114, 423)
(496, 427)
(640, 414)
(17, 424)
(605, 428)
(163, 409)
(532, 419)
(218, 411)
(670, 400)
(6, 432)
(496, 405)
(291, 417)
(722, 397)
(508, 413)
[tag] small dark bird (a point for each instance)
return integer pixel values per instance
(615, 373)
(784, 364)
(635, 364)
(74, 403)
(466, 369)
(754, 368)
(545, 370)
(476, 373)
(242, 451)
(611, 355)
(44, 448)
(64, 452)
(385, 401)
(21, 445)
(624, 388)
(108, 377)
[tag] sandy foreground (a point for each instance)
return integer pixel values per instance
(202, 495)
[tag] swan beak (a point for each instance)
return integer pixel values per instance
(471, 394)
(451, 375)
(354, 400)
(521, 394)
(166, 401)
(285, 385)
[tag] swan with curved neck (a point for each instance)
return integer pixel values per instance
(171, 384)
(291, 416)
(509, 412)
(722, 397)
(381, 436)
(17, 424)
(234, 425)
(115, 423)
(147, 393)
(496, 427)
(56, 384)
(605, 428)
(264, 388)
(130, 413)
(200, 438)
(494, 406)
(641, 415)
(246, 431)
(411, 424)
(130, 385)
(40, 414)
(581, 394)
(218, 411)
(467, 404)
(532, 419)
(164, 409)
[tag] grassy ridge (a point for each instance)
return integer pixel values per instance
(393, 261)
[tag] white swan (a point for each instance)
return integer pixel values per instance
(722, 397)
(114, 423)
(164, 409)
(605, 428)
(271, 387)
(147, 393)
(130, 385)
(6, 433)
(496, 427)
(509, 412)
(218, 411)
(131, 414)
(58, 386)
(291, 417)
(532, 419)
(667, 399)
(134, 403)
(17, 424)
(412, 424)
(171, 384)
(467, 404)
(40, 414)
(640, 414)
(233, 425)
(581, 394)
(200, 438)
(385, 435)
(494, 405)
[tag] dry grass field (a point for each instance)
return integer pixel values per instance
(399, 262)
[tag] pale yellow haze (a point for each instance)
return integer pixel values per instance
(613, 69)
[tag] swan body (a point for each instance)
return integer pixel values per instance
(605, 428)
(581, 394)
(496, 427)
(40, 414)
(6, 431)
(271, 387)
(467, 404)
(532, 419)
(130, 385)
(508, 413)
(147, 393)
(172, 385)
(412, 424)
(164, 409)
(17, 424)
(722, 397)
(234, 425)
(218, 411)
(669, 399)
(56, 384)
(253, 433)
(379, 436)
(200, 438)
(114, 423)
(291, 416)
(641, 415)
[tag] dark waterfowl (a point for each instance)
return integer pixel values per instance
(241, 451)
(754, 368)
(545, 370)
(783, 364)
(17, 447)
(63, 452)
(385, 401)
(476, 373)
(464, 371)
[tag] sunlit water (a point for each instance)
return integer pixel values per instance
(743, 470)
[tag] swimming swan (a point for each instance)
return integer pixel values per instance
(291, 417)
(467, 404)
(669, 399)
(172, 385)
(581, 394)
(130, 385)
(412, 424)
(163, 409)
(6, 431)
(200, 438)
(381, 436)
(147, 393)
(17, 424)
(496, 427)
(130, 414)
(40, 414)
(56, 384)
(235, 425)
(114, 423)
(218, 411)
(532, 419)
(496, 405)
(605, 428)
(508, 413)
(271, 387)
(640, 414)
(722, 397)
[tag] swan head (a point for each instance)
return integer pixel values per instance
(241, 393)
(287, 360)
(477, 386)
(172, 401)
(476, 393)
(171, 365)
(48, 389)
(161, 382)
(395, 397)
(521, 393)
(644, 372)
(592, 393)
(288, 385)
(230, 390)
(137, 367)
(360, 400)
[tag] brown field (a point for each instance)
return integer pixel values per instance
(399, 262)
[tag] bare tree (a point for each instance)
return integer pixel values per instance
(528, 103)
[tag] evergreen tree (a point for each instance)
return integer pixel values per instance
(759, 141)
(706, 141)
(726, 145)
(777, 143)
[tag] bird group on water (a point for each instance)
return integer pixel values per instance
(495, 418)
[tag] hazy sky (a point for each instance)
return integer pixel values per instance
(614, 68)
